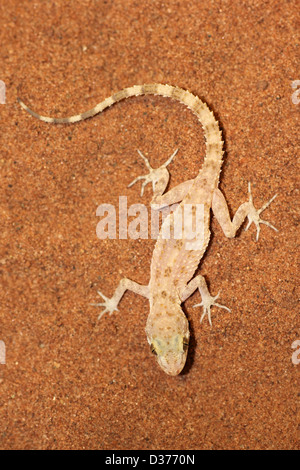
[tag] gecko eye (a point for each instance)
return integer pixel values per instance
(153, 349)
(185, 344)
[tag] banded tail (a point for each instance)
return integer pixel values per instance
(213, 135)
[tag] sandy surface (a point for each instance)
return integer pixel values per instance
(70, 381)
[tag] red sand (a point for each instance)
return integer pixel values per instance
(70, 381)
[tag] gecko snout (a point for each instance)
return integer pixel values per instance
(171, 353)
(172, 363)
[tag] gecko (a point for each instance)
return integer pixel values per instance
(173, 265)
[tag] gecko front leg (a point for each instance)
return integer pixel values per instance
(247, 209)
(110, 304)
(208, 300)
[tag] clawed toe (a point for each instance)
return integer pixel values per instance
(254, 214)
(108, 304)
(208, 302)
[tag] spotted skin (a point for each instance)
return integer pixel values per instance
(173, 264)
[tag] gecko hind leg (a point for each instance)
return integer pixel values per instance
(159, 177)
(111, 304)
(247, 209)
(208, 300)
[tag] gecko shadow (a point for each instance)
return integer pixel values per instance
(192, 346)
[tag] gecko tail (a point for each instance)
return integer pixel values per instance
(126, 93)
(48, 119)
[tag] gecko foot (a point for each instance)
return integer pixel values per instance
(110, 305)
(154, 175)
(254, 214)
(207, 302)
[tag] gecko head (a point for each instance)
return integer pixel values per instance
(171, 353)
(169, 342)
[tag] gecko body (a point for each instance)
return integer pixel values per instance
(173, 265)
